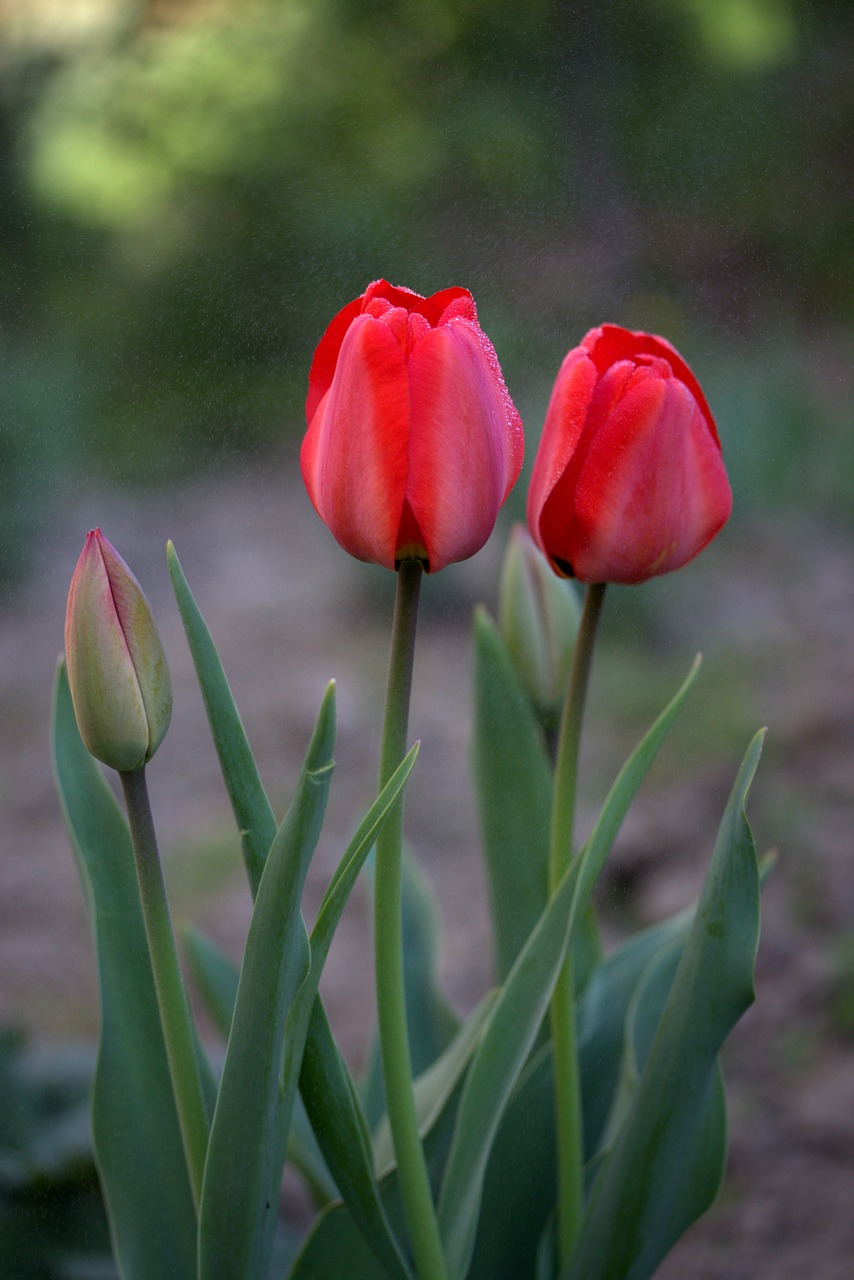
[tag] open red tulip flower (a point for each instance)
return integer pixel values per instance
(629, 481)
(413, 442)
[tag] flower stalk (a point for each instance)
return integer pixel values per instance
(388, 945)
(570, 1136)
(171, 995)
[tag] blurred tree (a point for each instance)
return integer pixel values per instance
(194, 185)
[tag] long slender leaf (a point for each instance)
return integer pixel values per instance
(257, 826)
(602, 1013)
(519, 1187)
(135, 1125)
(256, 821)
(337, 1118)
(328, 1092)
(310, 1049)
(520, 1008)
(665, 1165)
(514, 788)
(628, 780)
(335, 1247)
(249, 1132)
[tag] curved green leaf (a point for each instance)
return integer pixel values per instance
(249, 1132)
(256, 821)
(328, 1092)
(135, 1125)
(665, 1165)
(602, 1013)
(601, 840)
(514, 791)
(519, 1186)
(336, 1247)
(522, 1003)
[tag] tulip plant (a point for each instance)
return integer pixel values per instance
(573, 1125)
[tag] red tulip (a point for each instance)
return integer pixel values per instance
(413, 442)
(629, 481)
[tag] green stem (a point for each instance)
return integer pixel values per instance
(388, 946)
(570, 1138)
(171, 994)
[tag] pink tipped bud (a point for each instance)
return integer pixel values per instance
(117, 671)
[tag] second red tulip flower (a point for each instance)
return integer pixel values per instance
(629, 481)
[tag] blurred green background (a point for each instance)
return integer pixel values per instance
(191, 188)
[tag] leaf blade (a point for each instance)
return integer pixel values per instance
(514, 787)
(253, 812)
(135, 1125)
(249, 1131)
(674, 1127)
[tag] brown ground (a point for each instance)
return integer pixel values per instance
(771, 604)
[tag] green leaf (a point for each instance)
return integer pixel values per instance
(600, 841)
(507, 1040)
(256, 821)
(519, 1186)
(329, 1094)
(520, 1007)
(514, 793)
(216, 976)
(602, 1013)
(321, 1070)
(665, 1165)
(336, 1247)
(337, 1118)
(135, 1125)
(249, 1132)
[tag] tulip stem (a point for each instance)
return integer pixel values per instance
(570, 1136)
(418, 1204)
(171, 994)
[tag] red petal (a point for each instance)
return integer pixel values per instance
(652, 491)
(610, 342)
(466, 443)
(326, 356)
(354, 455)
(565, 419)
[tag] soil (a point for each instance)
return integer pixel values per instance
(771, 603)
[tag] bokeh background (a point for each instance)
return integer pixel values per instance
(189, 189)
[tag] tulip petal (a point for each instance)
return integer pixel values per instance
(652, 491)
(356, 478)
(610, 343)
(144, 644)
(465, 446)
(565, 419)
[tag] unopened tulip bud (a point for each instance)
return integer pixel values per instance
(117, 670)
(538, 615)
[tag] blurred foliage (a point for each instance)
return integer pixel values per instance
(191, 188)
(52, 1220)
